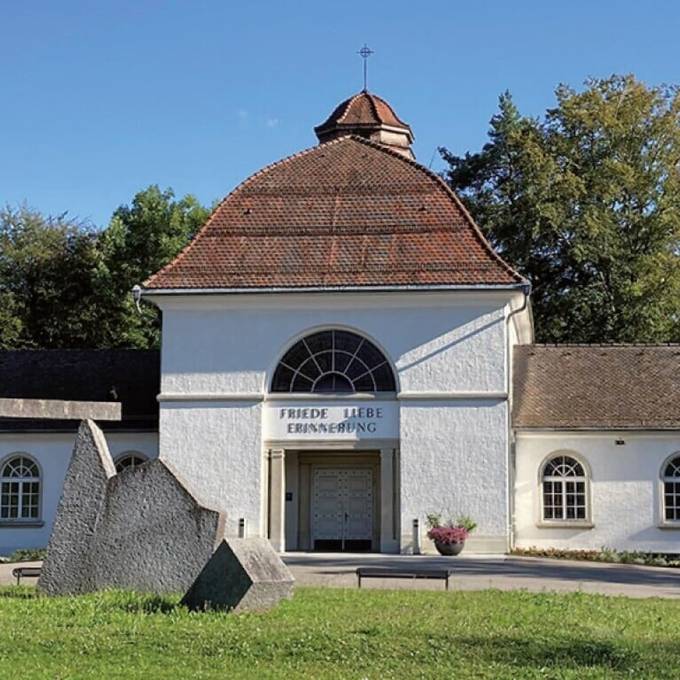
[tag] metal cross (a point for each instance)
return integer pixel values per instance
(365, 53)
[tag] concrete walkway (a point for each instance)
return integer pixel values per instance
(474, 572)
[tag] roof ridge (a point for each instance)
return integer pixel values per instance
(443, 185)
(371, 99)
(75, 350)
(182, 253)
(604, 345)
(389, 106)
(348, 103)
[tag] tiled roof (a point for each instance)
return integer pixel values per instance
(597, 387)
(364, 108)
(129, 376)
(347, 213)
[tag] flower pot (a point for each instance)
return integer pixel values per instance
(449, 548)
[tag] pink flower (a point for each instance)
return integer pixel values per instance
(448, 534)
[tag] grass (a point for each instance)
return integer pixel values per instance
(335, 633)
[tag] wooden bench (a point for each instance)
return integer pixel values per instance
(378, 572)
(25, 572)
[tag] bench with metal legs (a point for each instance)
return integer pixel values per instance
(378, 572)
(25, 572)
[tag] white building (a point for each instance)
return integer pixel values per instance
(343, 353)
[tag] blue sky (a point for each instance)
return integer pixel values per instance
(100, 99)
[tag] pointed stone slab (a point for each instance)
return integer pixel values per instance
(243, 574)
(154, 535)
(67, 567)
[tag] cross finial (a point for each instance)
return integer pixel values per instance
(365, 53)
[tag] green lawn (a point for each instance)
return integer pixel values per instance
(341, 634)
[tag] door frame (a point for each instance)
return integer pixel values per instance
(280, 514)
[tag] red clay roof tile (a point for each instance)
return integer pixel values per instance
(347, 213)
(608, 387)
(363, 108)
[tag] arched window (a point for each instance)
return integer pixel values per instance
(129, 461)
(565, 495)
(331, 362)
(19, 489)
(671, 489)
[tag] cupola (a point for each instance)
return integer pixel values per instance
(369, 116)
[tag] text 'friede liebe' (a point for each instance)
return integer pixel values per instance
(309, 420)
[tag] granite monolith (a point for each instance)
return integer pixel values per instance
(67, 569)
(154, 536)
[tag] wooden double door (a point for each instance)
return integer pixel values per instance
(342, 512)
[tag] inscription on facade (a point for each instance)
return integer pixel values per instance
(330, 421)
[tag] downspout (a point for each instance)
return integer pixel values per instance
(526, 290)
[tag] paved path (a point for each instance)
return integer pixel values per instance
(476, 573)
(504, 573)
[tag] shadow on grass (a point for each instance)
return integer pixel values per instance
(121, 600)
(151, 604)
(551, 652)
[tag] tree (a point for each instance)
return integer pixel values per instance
(65, 285)
(48, 269)
(140, 239)
(586, 203)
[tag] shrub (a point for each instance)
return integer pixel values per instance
(28, 555)
(605, 554)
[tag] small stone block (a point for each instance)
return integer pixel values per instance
(243, 574)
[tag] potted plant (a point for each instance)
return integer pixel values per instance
(449, 537)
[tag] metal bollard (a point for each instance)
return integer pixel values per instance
(242, 527)
(416, 536)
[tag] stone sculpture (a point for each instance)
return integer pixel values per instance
(140, 529)
(244, 574)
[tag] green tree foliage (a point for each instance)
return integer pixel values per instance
(47, 281)
(65, 285)
(141, 238)
(586, 203)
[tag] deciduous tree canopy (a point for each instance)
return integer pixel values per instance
(65, 284)
(586, 203)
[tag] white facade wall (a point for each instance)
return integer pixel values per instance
(454, 460)
(450, 354)
(625, 490)
(52, 451)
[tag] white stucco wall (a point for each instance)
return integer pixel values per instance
(216, 448)
(624, 490)
(454, 460)
(439, 341)
(450, 353)
(52, 452)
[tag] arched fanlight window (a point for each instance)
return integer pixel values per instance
(333, 361)
(20, 489)
(565, 495)
(129, 461)
(671, 489)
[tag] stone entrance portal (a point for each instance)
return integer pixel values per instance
(333, 499)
